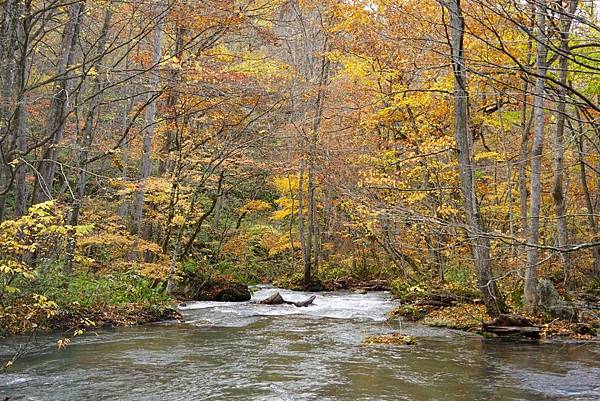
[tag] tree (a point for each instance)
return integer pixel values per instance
(530, 295)
(479, 242)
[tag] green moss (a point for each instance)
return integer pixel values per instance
(96, 290)
(390, 339)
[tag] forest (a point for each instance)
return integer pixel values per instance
(159, 151)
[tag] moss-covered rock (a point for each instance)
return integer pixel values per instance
(214, 288)
(224, 291)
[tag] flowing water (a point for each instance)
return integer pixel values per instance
(256, 352)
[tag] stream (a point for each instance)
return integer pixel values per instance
(246, 351)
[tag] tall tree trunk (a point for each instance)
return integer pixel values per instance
(480, 245)
(8, 44)
(146, 159)
(21, 126)
(58, 105)
(558, 192)
(530, 295)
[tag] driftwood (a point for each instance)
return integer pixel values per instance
(277, 299)
(513, 325)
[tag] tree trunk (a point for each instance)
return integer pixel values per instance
(20, 135)
(530, 296)
(170, 135)
(479, 242)
(8, 42)
(146, 159)
(58, 105)
(558, 192)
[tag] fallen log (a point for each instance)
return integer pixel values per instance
(513, 325)
(528, 332)
(277, 299)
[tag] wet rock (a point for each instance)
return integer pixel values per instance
(225, 292)
(548, 296)
(277, 299)
(553, 304)
(361, 291)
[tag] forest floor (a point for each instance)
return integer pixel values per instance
(85, 300)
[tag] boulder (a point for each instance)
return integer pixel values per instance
(552, 303)
(277, 299)
(217, 288)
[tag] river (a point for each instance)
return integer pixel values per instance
(247, 351)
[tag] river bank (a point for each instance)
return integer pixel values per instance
(458, 310)
(260, 352)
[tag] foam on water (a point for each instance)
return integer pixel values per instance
(338, 305)
(248, 351)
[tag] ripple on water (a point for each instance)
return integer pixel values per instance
(257, 352)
